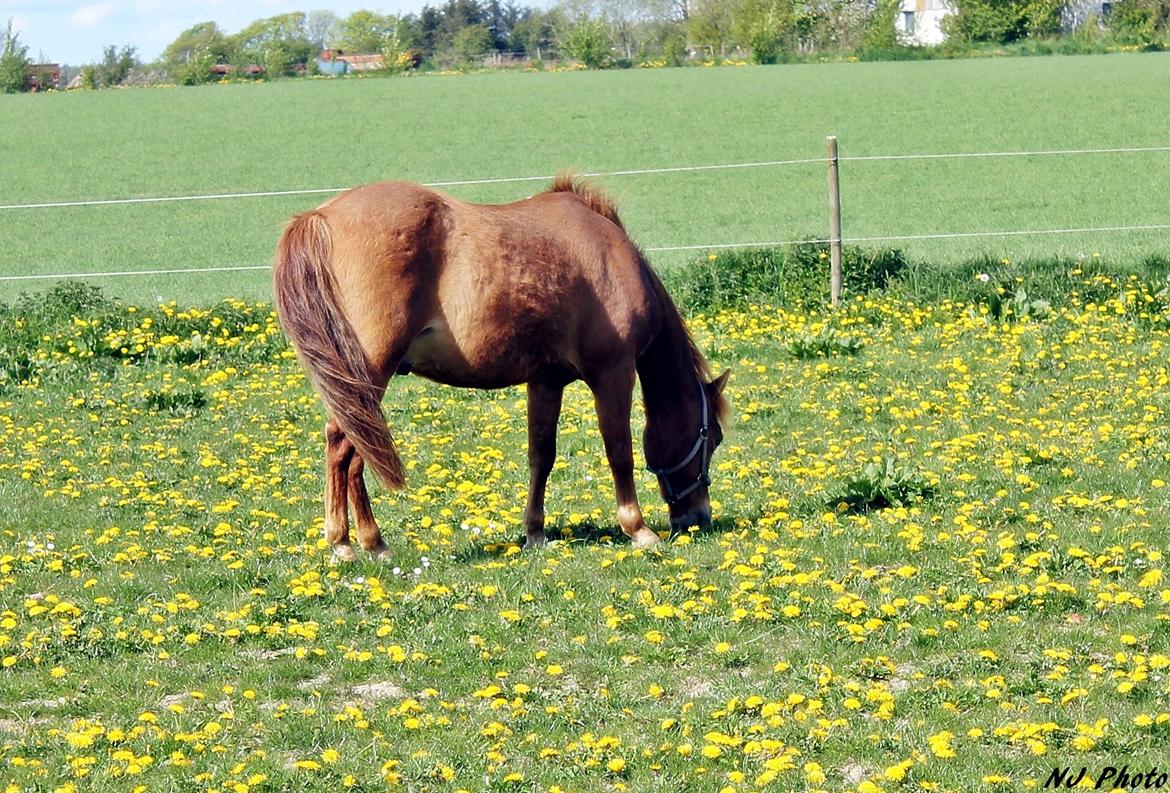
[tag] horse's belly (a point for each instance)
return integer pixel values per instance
(499, 362)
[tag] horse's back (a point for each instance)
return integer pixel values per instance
(487, 294)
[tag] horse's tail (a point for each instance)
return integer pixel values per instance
(329, 350)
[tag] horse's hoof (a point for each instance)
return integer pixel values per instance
(344, 552)
(644, 538)
(380, 553)
(535, 540)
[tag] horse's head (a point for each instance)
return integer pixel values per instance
(679, 446)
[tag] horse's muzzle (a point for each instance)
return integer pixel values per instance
(699, 516)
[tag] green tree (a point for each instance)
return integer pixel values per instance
(1002, 21)
(13, 63)
(622, 19)
(321, 28)
(197, 70)
(674, 44)
(276, 59)
(452, 17)
(587, 41)
(763, 26)
(766, 41)
(880, 32)
(278, 43)
(191, 55)
(368, 32)
(115, 66)
(471, 43)
(195, 40)
(1139, 21)
(709, 25)
(536, 34)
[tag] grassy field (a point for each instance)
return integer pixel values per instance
(312, 134)
(170, 617)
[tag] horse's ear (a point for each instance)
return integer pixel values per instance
(720, 382)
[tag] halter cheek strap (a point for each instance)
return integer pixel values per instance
(701, 447)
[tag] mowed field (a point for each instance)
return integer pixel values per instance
(322, 134)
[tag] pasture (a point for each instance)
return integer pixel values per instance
(937, 560)
(171, 619)
(320, 134)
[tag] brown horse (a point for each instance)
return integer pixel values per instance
(396, 278)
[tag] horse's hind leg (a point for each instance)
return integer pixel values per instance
(613, 396)
(339, 453)
(369, 535)
(544, 409)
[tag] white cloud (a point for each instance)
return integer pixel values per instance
(174, 6)
(92, 14)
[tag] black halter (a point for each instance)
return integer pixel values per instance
(701, 445)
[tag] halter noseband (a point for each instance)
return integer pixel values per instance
(701, 445)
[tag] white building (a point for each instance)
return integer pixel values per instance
(1083, 12)
(920, 22)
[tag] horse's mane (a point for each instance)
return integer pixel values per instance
(598, 201)
(602, 204)
(674, 320)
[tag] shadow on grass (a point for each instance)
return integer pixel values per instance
(587, 533)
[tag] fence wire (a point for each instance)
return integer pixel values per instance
(654, 249)
(595, 174)
(618, 173)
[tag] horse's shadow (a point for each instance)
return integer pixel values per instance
(587, 533)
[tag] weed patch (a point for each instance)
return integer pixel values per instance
(882, 485)
(826, 344)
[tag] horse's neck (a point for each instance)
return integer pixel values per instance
(667, 371)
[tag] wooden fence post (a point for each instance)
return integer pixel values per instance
(834, 224)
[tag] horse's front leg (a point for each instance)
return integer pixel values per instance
(613, 396)
(339, 453)
(544, 409)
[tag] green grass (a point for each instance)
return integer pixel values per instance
(310, 134)
(164, 592)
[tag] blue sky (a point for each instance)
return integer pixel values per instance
(75, 31)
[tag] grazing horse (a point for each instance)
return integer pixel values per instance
(395, 278)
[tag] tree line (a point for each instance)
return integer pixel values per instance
(597, 33)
